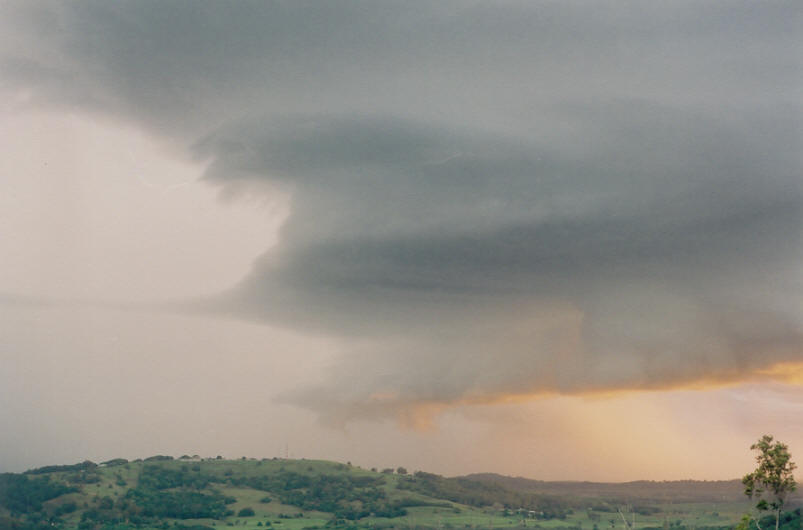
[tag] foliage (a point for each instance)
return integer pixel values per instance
(62, 509)
(178, 504)
(347, 496)
(22, 494)
(83, 466)
(159, 478)
(162, 493)
(84, 476)
(475, 493)
(114, 462)
(791, 520)
(772, 480)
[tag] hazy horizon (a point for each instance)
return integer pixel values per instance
(561, 240)
(357, 465)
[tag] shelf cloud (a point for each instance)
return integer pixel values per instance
(487, 204)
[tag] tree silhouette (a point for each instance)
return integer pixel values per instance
(772, 480)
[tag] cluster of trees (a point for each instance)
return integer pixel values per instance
(160, 493)
(156, 477)
(23, 497)
(21, 494)
(176, 489)
(347, 497)
(790, 520)
(482, 494)
(158, 458)
(83, 473)
(114, 462)
(176, 493)
(181, 504)
(167, 489)
(86, 465)
(342, 495)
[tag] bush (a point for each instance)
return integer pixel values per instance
(178, 504)
(246, 512)
(21, 494)
(114, 462)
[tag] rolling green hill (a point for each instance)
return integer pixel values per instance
(190, 493)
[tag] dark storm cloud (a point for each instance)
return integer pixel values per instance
(489, 200)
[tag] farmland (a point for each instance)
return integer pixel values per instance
(193, 493)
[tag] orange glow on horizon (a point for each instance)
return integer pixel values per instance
(421, 415)
(785, 372)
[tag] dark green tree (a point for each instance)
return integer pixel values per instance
(772, 481)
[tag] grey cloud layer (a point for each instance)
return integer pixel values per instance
(489, 200)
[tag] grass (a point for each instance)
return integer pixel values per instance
(116, 480)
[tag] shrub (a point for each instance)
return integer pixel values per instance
(114, 462)
(21, 494)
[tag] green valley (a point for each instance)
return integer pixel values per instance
(192, 493)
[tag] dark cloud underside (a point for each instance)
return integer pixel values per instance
(487, 200)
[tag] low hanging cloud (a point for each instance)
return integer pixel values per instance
(488, 202)
(577, 278)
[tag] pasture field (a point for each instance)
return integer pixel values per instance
(191, 493)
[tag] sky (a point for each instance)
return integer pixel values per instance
(560, 240)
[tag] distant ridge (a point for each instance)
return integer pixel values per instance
(194, 493)
(646, 490)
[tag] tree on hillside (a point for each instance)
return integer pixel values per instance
(772, 480)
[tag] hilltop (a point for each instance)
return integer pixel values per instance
(192, 493)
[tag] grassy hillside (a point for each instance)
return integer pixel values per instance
(200, 494)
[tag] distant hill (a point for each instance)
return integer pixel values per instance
(678, 491)
(193, 493)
